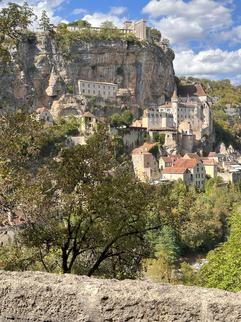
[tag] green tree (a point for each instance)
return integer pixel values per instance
(223, 268)
(77, 202)
(166, 254)
(107, 25)
(14, 22)
(44, 22)
(156, 34)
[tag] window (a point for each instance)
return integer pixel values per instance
(83, 91)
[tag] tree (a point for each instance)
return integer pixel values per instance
(107, 25)
(44, 22)
(125, 118)
(155, 34)
(78, 209)
(14, 22)
(15, 19)
(223, 268)
(166, 255)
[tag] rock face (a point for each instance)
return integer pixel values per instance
(35, 296)
(41, 73)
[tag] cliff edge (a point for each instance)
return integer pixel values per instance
(37, 296)
(42, 72)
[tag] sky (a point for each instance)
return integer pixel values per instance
(205, 34)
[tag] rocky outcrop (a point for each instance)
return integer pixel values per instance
(41, 73)
(35, 296)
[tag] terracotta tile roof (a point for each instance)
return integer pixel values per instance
(186, 163)
(170, 158)
(209, 162)
(166, 159)
(173, 170)
(192, 156)
(191, 90)
(212, 154)
(174, 95)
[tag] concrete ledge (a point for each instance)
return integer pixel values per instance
(37, 296)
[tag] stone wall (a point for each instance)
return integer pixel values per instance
(35, 296)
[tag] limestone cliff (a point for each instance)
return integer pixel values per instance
(40, 73)
(35, 296)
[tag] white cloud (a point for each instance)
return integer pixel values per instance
(114, 15)
(187, 21)
(79, 11)
(118, 10)
(213, 63)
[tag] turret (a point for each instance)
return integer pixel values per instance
(174, 101)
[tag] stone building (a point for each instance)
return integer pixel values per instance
(97, 89)
(189, 169)
(138, 28)
(44, 114)
(144, 163)
(190, 105)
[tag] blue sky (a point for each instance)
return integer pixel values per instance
(205, 34)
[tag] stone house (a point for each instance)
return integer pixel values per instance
(43, 114)
(145, 164)
(196, 169)
(167, 161)
(177, 173)
(138, 28)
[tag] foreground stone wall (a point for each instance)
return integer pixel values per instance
(35, 296)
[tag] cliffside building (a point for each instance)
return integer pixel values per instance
(97, 89)
(184, 120)
(138, 28)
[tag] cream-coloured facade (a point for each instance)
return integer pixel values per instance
(211, 168)
(97, 89)
(175, 173)
(138, 28)
(155, 120)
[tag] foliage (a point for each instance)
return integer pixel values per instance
(159, 137)
(78, 203)
(44, 22)
(155, 34)
(107, 25)
(223, 269)
(166, 255)
(80, 24)
(125, 118)
(14, 21)
(67, 38)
